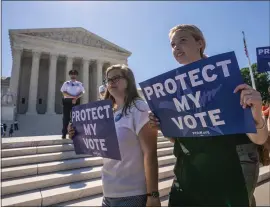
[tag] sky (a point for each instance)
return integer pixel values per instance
(142, 27)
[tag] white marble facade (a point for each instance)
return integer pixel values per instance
(43, 57)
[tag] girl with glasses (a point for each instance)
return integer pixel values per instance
(133, 181)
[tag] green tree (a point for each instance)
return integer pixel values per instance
(262, 80)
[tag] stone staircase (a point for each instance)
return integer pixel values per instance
(45, 171)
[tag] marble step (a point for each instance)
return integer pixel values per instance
(96, 200)
(264, 174)
(39, 158)
(164, 201)
(23, 151)
(49, 157)
(50, 167)
(26, 199)
(72, 191)
(83, 193)
(17, 142)
(63, 177)
(19, 171)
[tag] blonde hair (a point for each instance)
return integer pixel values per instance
(194, 31)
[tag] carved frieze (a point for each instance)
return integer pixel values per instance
(77, 37)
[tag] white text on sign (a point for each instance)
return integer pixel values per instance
(264, 51)
(183, 103)
(90, 129)
(90, 114)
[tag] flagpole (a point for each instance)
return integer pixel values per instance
(249, 63)
(251, 75)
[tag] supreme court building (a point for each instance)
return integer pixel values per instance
(43, 57)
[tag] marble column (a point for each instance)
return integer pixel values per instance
(85, 80)
(51, 85)
(69, 65)
(15, 72)
(33, 89)
(99, 74)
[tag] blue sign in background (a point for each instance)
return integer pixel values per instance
(263, 59)
(105, 129)
(214, 95)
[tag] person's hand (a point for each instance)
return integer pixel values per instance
(71, 131)
(251, 98)
(154, 122)
(153, 202)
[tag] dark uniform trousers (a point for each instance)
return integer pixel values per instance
(67, 108)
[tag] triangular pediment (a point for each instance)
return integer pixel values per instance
(72, 35)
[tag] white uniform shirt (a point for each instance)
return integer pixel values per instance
(72, 88)
(127, 177)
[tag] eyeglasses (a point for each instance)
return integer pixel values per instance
(113, 80)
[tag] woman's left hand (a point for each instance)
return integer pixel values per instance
(71, 131)
(251, 98)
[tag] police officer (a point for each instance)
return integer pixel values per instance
(72, 90)
(102, 90)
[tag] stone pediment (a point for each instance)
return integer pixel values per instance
(73, 35)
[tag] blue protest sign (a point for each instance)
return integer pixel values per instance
(263, 59)
(95, 130)
(198, 100)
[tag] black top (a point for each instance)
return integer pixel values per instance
(208, 170)
(241, 139)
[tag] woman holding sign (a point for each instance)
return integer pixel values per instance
(133, 181)
(208, 171)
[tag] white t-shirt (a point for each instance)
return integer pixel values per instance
(127, 177)
(73, 88)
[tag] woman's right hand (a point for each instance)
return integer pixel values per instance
(71, 131)
(154, 122)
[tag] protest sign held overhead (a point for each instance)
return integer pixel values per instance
(198, 100)
(263, 59)
(95, 130)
